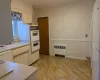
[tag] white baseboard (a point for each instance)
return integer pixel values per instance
(52, 54)
(82, 58)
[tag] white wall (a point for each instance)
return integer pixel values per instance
(68, 25)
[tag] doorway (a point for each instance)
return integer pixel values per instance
(43, 24)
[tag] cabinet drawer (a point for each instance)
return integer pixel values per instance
(20, 50)
(22, 59)
(6, 56)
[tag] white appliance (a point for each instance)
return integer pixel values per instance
(34, 35)
(35, 42)
(95, 59)
(35, 45)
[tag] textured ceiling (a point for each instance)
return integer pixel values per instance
(47, 3)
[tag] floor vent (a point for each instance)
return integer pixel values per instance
(60, 50)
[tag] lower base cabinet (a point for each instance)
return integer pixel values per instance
(21, 55)
(6, 56)
(22, 58)
(34, 56)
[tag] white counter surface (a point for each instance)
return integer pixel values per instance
(13, 46)
(21, 72)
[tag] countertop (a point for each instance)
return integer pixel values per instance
(13, 46)
(21, 72)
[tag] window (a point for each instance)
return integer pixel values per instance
(23, 31)
(15, 30)
(20, 30)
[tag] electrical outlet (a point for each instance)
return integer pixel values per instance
(86, 35)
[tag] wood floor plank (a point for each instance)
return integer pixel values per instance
(58, 68)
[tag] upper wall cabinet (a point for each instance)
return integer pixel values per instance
(27, 16)
(25, 9)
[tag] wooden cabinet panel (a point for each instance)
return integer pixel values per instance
(20, 50)
(24, 8)
(22, 59)
(6, 56)
(27, 17)
(34, 56)
(21, 55)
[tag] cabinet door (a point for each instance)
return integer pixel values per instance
(23, 58)
(21, 55)
(25, 9)
(34, 56)
(27, 16)
(6, 56)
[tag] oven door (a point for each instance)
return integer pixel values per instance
(35, 46)
(35, 35)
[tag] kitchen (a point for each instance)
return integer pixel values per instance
(25, 36)
(19, 46)
(65, 32)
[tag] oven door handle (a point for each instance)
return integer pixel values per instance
(36, 43)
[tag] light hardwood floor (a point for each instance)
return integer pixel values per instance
(58, 68)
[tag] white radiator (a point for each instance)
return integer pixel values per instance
(60, 49)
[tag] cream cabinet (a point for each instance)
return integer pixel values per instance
(24, 8)
(34, 56)
(21, 55)
(23, 58)
(27, 17)
(6, 56)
